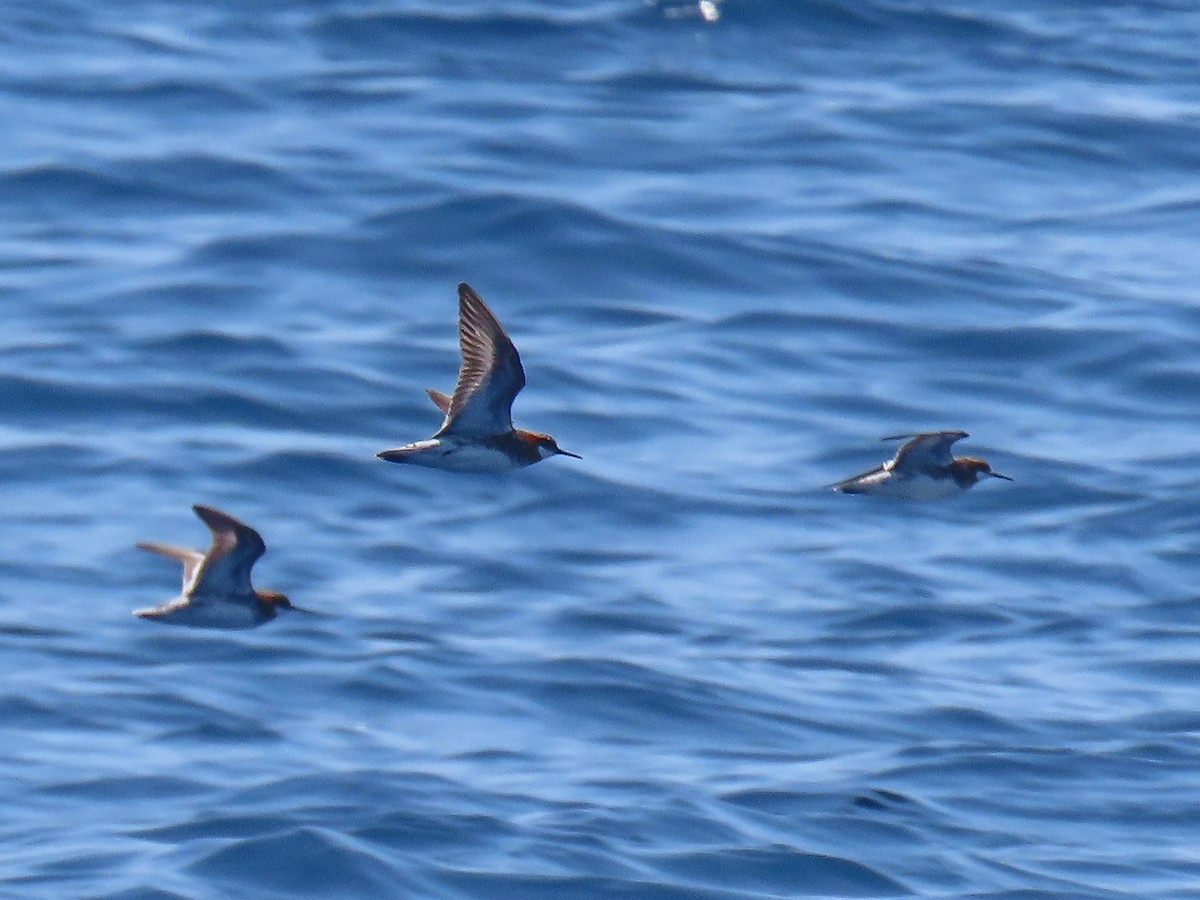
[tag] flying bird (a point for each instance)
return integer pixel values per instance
(922, 469)
(216, 590)
(477, 434)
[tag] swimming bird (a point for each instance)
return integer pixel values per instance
(922, 469)
(216, 589)
(477, 434)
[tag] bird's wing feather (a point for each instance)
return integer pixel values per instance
(440, 398)
(191, 559)
(856, 483)
(490, 376)
(929, 449)
(235, 548)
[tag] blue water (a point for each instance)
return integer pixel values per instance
(733, 253)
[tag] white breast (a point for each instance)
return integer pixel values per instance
(204, 613)
(920, 487)
(458, 457)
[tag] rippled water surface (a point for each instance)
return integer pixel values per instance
(734, 249)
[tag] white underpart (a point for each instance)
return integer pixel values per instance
(205, 613)
(457, 457)
(908, 487)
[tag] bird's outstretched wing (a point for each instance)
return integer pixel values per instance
(490, 375)
(235, 548)
(191, 559)
(930, 448)
(861, 483)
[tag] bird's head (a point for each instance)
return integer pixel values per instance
(273, 601)
(969, 470)
(546, 446)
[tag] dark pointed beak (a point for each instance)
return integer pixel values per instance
(300, 609)
(562, 452)
(998, 475)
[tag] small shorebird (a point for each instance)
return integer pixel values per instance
(477, 434)
(922, 469)
(216, 585)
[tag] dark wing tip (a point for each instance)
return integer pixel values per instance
(474, 311)
(468, 298)
(222, 523)
(487, 353)
(853, 484)
(214, 518)
(850, 485)
(956, 435)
